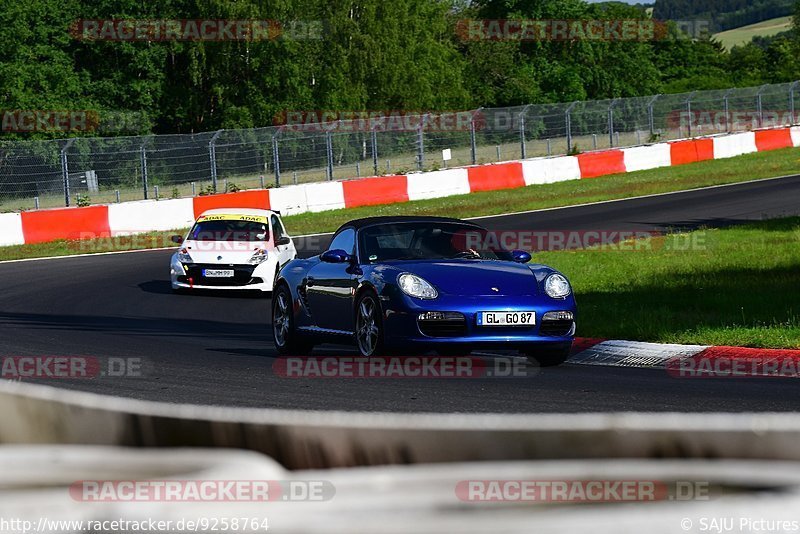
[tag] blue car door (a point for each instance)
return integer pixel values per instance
(331, 286)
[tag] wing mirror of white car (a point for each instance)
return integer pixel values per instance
(283, 240)
(177, 239)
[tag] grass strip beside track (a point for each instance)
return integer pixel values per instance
(573, 192)
(735, 286)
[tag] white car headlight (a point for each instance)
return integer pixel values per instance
(184, 256)
(259, 257)
(414, 286)
(557, 287)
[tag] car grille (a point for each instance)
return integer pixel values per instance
(242, 275)
(555, 328)
(453, 325)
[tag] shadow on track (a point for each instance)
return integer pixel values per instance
(163, 287)
(140, 326)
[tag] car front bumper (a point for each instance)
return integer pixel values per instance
(246, 277)
(404, 328)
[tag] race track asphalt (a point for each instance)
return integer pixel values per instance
(217, 349)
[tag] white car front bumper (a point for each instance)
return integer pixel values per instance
(246, 278)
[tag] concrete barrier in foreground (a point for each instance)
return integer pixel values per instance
(33, 413)
(50, 485)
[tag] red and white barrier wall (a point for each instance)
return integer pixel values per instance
(150, 215)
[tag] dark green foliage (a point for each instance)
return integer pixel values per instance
(372, 55)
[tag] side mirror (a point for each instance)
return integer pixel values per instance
(520, 256)
(283, 240)
(176, 239)
(335, 256)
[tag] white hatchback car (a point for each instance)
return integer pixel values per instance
(230, 248)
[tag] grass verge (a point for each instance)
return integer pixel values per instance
(708, 173)
(735, 286)
(744, 34)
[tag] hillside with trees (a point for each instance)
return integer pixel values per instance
(723, 14)
(371, 55)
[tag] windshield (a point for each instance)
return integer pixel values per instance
(428, 241)
(224, 230)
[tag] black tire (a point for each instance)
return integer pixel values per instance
(286, 338)
(548, 357)
(369, 325)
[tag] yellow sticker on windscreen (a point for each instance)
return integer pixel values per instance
(233, 217)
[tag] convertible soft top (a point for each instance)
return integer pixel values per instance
(372, 221)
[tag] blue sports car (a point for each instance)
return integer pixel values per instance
(418, 284)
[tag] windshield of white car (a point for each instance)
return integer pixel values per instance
(229, 231)
(427, 241)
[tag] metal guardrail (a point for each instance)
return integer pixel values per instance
(36, 174)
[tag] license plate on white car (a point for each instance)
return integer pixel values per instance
(523, 318)
(218, 273)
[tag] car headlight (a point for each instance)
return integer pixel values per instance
(557, 287)
(184, 256)
(259, 257)
(414, 286)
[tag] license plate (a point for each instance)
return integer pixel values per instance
(218, 273)
(523, 318)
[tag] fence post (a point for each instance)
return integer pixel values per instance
(329, 151)
(651, 121)
(726, 109)
(759, 107)
(276, 158)
(791, 100)
(473, 145)
(611, 122)
(421, 142)
(143, 158)
(522, 148)
(374, 139)
(568, 125)
(689, 112)
(65, 169)
(212, 157)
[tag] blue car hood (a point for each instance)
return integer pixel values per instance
(474, 277)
